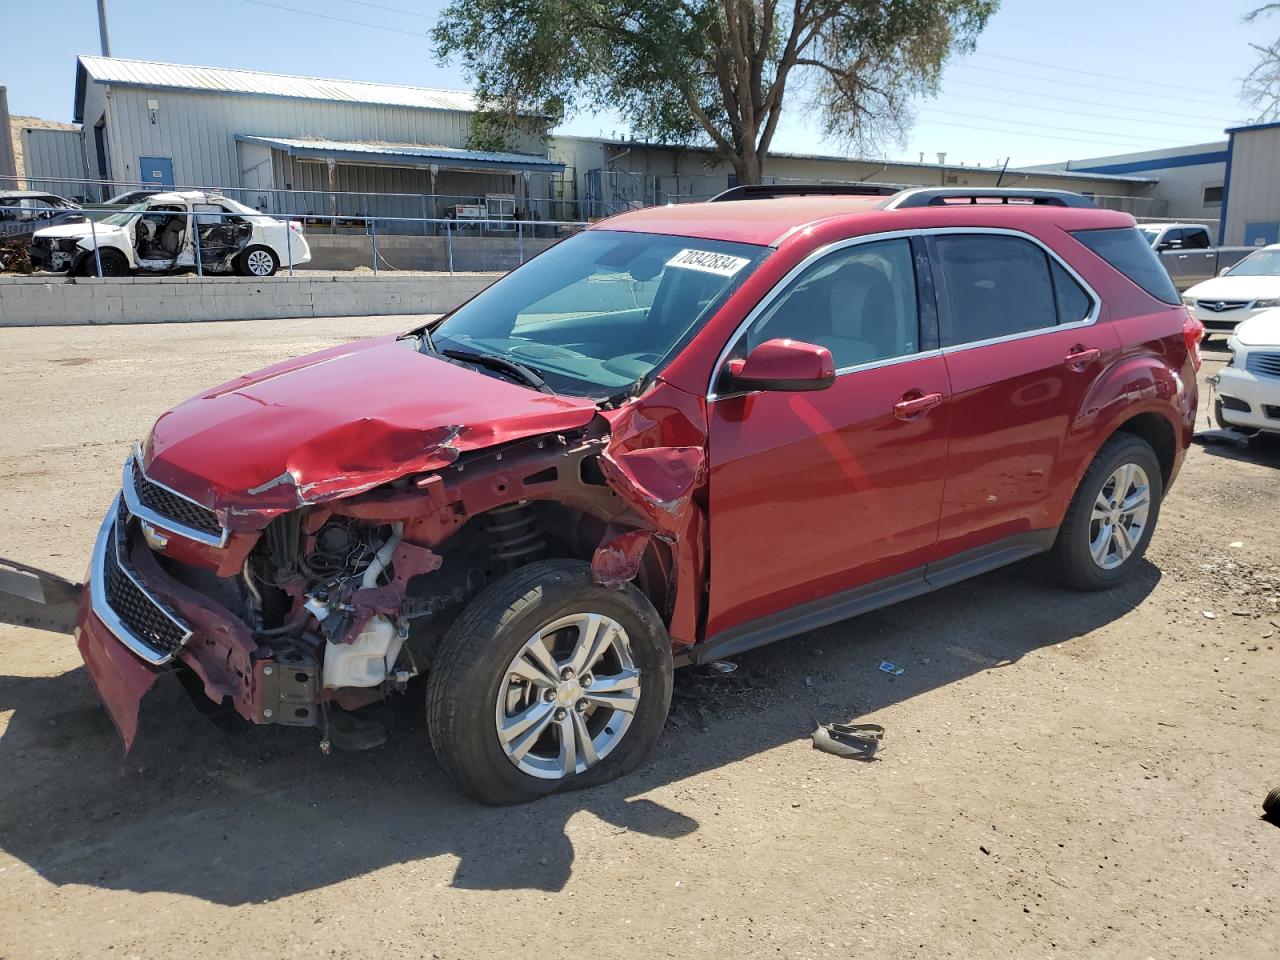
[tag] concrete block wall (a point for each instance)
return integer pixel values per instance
(48, 301)
(346, 252)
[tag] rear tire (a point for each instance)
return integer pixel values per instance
(486, 681)
(258, 262)
(1106, 531)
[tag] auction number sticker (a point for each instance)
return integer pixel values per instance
(721, 264)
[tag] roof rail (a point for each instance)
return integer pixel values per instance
(948, 196)
(769, 191)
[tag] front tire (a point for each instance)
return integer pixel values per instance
(259, 262)
(114, 263)
(1112, 515)
(548, 681)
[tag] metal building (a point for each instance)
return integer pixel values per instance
(1190, 178)
(612, 175)
(1251, 203)
(252, 133)
(52, 151)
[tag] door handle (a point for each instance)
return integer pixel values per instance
(1182, 256)
(1081, 356)
(909, 406)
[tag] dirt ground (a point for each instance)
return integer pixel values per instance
(1063, 775)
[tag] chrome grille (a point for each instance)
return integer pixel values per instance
(1263, 364)
(122, 600)
(1221, 306)
(162, 507)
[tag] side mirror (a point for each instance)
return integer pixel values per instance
(1224, 271)
(780, 365)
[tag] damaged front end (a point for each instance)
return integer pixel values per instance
(316, 592)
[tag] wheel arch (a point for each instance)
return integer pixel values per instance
(576, 531)
(1158, 431)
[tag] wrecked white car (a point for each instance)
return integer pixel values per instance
(156, 236)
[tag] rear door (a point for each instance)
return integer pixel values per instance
(815, 494)
(1019, 335)
(1197, 261)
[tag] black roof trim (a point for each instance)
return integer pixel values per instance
(975, 196)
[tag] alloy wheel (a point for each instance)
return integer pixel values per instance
(260, 263)
(568, 697)
(1119, 516)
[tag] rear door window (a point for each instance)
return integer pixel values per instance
(1197, 239)
(1074, 303)
(1125, 250)
(994, 286)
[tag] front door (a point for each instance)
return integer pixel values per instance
(1022, 347)
(815, 494)
(156, 171)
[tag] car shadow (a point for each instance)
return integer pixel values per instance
(261, 815)
(1262, 449)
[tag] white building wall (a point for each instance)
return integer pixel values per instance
(1253, 194)
(198, 130)
(96, 107)
(1184, 174)
(50, 156)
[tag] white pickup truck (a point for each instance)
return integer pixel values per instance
(1188, 253)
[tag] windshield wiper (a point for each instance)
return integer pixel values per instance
(426, 338)
(502, 364)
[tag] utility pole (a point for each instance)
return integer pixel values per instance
(102, 28)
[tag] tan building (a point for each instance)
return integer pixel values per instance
(611, 175)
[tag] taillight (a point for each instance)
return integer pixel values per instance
(296, 226)
(1193, 333)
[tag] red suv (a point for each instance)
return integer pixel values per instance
(686, 432)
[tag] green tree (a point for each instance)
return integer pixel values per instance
(711, 71)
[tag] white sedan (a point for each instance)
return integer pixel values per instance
(1248, 387)
(156, 236)
(1252, 285)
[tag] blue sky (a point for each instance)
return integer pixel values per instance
(1048, 81)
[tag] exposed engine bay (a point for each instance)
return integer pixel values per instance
(345, 608)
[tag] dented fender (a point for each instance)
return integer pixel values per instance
(656, 461)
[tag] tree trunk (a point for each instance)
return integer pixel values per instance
(748, 168)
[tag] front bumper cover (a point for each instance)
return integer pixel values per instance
(1262, 394)
(218, 649)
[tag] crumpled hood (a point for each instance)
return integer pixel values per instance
(339, 422)
(1260, 330)
(1236, 288)
(78, 230)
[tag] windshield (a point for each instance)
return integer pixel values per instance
(124, 216)
(1150, 234)
(1264, 263)
(598, 312)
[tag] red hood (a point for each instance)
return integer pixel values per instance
(339, 422)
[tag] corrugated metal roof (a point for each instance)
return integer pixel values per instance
(455, 156)
(146, 73)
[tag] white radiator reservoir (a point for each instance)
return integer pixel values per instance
(367, 660)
